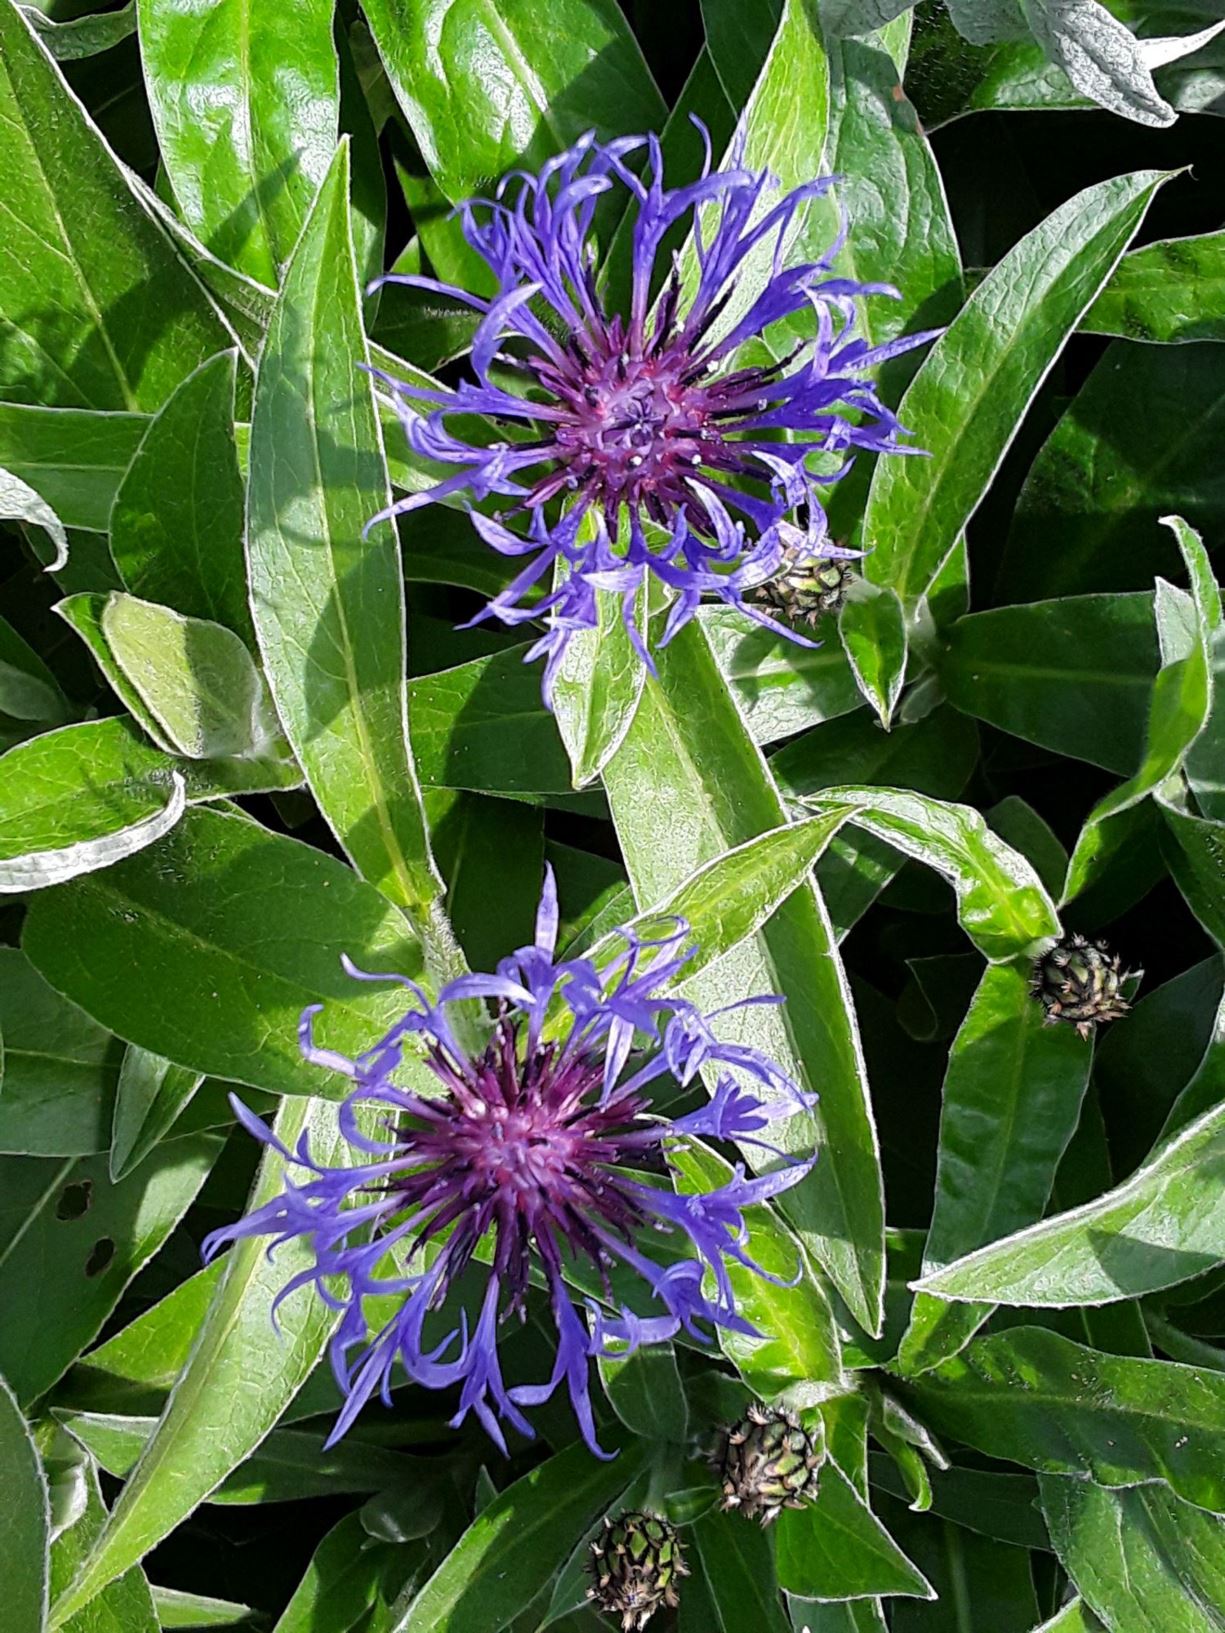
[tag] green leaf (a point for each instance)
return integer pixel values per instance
(489, 88)
(732, 1585)
(934, 756)
(28, 689)
(340, 1584)
(328, 604)
(1171, 291)
(1145, 1562)
(60, 1068)
(81, 1240)
(646, 1393)
(997, 351)
(780, 688)
(150, 1095)
(176, 523)
(1001, 1506)
(596, 691)
(73, 457)
(245, 96)
(239, 1378)
(25, 1521)
(1180, 708)
(235, 931)
(195, 678)
(86, 267)
(1012, 1097)
(1002, 905)
(126, 1603)
(517, 1543)
(176, 1607)
(798, 1350)
(20, 503)
(290, 1465)
(980, 1583)
(1073, 675)
(687, 786)
(86, 36)
(1157, 1228)
(1195, 854)
(491, 854)
(872, 629)
(729, 899)
(83, 797)
(862, 16)
(144, 1358)
(836, 1548)
(1030, 1396)
(1087, 516)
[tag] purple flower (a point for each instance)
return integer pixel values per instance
(540, 1149)
(646, 449)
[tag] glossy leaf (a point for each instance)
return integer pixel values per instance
(646, 1393)
(195, 678)
(780, 688)
(836, 1548)
(1144, 1562)
(83, 797)
(517, 1543)
(290, 1465)
(24, 1521)
(596, 692)
(85, 265)
(1180, 708)
(175, 1607)
(235, 930)
(75, 458)
(240, 1376)
(732, 1566)
(1106, 476)
(60, 1068)
(488, 88)
(998, 350)
(1012, 1097)
(1157, 1228)
(1195, 853)
(328, 604)
(149, 1097)
(1001, 902)
(1072, 675)
(1171, 291)
(176, 523)
(340, 1583)
(1030, 1396)
(872, 628)
(81, 1242)
(245, 95)
(687, 786)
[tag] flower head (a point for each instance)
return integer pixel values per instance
(539, 1152)
(645, 447)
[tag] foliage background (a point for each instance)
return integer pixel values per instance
(208, 795)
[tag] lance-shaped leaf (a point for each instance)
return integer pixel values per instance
(1171, 291)
(597, 689)
(1194, 849)
(686, 786)
(732, 1582)
(1033, 1397)
(82, 1241)
(100, 311)
(836, 1548)
(83, 797)
(1002, 904)
(245, 95)
(235, 931)
(490, 87)
(1158, 1228)
(239, 1379)
(1012, 1097)
(328, 603)
(872, 629)
(1142, 1559)
(1180, 707)
(518, 1543)
(149, 1097)
(974, 387)
(176, 523)
(75, 458)
(25, 1521)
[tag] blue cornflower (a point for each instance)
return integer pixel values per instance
(651, 452)
(542, 1147)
